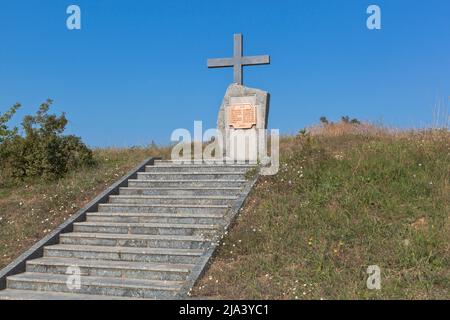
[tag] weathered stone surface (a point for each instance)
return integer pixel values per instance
(232, 138)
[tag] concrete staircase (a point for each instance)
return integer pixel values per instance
(150, 241)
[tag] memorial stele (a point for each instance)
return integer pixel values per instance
(243, 115)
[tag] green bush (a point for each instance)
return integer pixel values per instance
(5, 132)
(42, 151)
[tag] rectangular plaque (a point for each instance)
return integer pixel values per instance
(242, 116)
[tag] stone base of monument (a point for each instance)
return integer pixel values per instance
(242, 123)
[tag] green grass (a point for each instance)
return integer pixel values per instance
(30, 211)
(339, 204)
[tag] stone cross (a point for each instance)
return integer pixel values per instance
(238, 61)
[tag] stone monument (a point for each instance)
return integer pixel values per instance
(243, 115)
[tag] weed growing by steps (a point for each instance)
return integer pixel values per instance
(251, 173)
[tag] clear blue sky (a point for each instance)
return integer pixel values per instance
(137, 69)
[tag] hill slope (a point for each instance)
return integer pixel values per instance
(346, 197)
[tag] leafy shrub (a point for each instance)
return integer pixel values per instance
(346, 119)
(43, 151)
(324, 120)
(5, 132)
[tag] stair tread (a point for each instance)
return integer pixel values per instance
(174, 197)
(203, 162)
(163, 205)
(205, 165)
(148, 225)
(125, 236)
(99, 281)
(14, 294)
(181, 188)
(171, 173)
(167, 251)
(112, 264)
(192, 180)
(157, 214)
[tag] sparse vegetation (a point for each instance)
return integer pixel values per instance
(347, 196)
(346, 119)
(324, 120)
(251, 173)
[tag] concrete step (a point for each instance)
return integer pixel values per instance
(200, 168)
(181, 229)
(205, 162)
(135, 240)
(135, 288)
(12, 294)
(136, 191)
(162, 208)
(199, 183)
(189, 218)
(171, 200)
(110, 268)
(158, 255)
(189, 176)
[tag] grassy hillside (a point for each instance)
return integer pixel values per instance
(346, 197)
(30, 211)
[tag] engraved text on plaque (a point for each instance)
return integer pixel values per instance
(242, 116)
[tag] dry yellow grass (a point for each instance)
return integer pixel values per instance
(345, 128)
